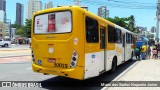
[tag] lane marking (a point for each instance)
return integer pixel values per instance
(121, 75)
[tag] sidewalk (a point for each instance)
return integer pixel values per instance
(15, 48)
(144, 70)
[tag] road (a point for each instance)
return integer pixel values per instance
(21, 71)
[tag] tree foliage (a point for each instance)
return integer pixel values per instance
(28, 24)
(127, 23)
(21, 31)
(24, 31)
(15, 26)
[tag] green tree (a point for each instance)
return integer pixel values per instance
(21, 31)
(28, 24)
(15, 26)
(127, 23)
(119, 21)
(24, 31)
(131, 24)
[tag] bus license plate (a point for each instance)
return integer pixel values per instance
(51, 60)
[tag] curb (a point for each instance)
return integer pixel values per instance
(122, 75)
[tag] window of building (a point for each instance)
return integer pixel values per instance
(0, 30)
(92, 35)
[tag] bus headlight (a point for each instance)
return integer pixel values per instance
(74, 59)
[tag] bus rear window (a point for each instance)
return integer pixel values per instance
(57, 22)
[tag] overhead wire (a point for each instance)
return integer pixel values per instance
(135, 4)
(121, 4)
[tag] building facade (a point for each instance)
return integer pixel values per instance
(19, 13)
(103, 12)
(38, 5)
(3, 8)
(2, 16)
(32, 6)
(3, 28)
(48, 5)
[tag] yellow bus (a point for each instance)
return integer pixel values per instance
(72, 42)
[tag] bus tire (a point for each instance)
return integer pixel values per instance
(131, 57)
(114, 65)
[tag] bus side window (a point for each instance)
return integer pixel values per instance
(119, 36)
(92, 30)
(112, 34)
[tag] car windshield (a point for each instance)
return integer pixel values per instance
(7, 39)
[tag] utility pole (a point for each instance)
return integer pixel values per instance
(158, 18)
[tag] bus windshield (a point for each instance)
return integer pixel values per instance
(56, 22)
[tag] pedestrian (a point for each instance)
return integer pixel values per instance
(158, 49)
(137, 53)
(149, 52)
(143, 52)
(154, 51)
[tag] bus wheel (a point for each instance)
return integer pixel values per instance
(131, 57)
(114, 65)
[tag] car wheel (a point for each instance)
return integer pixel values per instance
(5, 45)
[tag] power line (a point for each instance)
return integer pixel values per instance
(135, 4)
(119, 5)
(131, 1)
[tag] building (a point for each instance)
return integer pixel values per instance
(3, 5)
(19, 13)
(3, 8)
(142, 30)
(103, 12)
(3, 28)
(33, 6)
(38, 5)
(48, 5)
(153, 29)
(2, 16)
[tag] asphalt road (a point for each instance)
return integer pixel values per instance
(22, 71)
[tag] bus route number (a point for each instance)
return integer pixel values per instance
(61, 65)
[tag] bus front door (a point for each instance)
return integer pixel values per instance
(102, 64)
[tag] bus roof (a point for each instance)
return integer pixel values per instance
(86, 12)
